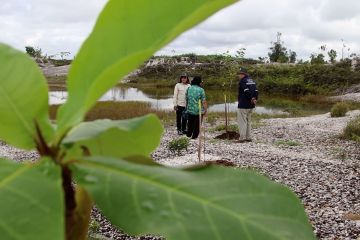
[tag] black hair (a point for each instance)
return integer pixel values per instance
(187, 79)
(196, 81)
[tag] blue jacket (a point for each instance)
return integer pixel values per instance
(247, 90)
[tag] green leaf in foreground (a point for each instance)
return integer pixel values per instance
(206, 203)
(125, 35)
(23, 99)
(123, 138)
(31, 201)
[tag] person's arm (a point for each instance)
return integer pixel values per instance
(204, 102)
(176, 92)
(255, 97)
(205, 105)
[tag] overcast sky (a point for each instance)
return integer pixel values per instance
(305, 25)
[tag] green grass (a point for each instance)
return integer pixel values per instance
(121, 110)
(179, 144)
(339, 109)
(231, 127)
(339, 153)
(352, 130)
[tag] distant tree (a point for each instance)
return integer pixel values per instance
(283, 58)
(34, 52)
(240, 54)
(278, 52)
(317, 58)
(64, 54)
(332, 55)
(262, 59)
(30, 51)
(292, 56)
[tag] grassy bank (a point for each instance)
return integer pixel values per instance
(120, 110)
(295, 80)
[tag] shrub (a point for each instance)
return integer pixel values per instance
(352, 130)
(179, 144)
(339, 109)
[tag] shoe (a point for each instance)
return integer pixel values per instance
(184, 132)
(248, 140)
(240, 141)
(180, 132)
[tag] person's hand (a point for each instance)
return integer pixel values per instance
(253, 101)
(175, 108)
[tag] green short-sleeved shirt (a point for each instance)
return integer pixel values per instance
(194, 94)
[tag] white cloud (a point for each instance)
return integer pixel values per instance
(305, 24)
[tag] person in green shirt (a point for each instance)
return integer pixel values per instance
(195, 93)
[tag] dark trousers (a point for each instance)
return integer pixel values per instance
(180, 121)
(193, 126)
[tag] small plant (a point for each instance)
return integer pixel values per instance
(211, 119)
(340, 153)
(339, 109)
(177, 145)
(109, 160)
(290, 143)
(352, 130)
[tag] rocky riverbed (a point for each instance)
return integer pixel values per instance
(306, 154)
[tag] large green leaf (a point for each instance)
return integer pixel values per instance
(204, 203)
(125, 35)
(31, 201)
(23, 99)
(123, 138)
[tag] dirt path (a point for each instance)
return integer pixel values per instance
(323, 170)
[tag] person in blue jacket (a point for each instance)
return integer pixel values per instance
(247, 99)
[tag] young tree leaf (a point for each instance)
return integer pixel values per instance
(206, 203)
(31, 201)
(23, 99)
(123, 138)
(125, 35)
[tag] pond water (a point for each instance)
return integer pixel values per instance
(161, 99)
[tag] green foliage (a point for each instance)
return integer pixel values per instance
(24, 104)
(32, 201)
(30, 50)
(352, 130)
(278, 52)
(292, 56)
(231, 128)
(179, 144)
(317, 58)
(332, 55)
(193, 204)
(109, 160)
(97, 137)
(339, 109)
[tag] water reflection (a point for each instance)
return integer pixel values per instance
(161, 98)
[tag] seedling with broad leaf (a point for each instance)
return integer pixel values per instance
(109, 160)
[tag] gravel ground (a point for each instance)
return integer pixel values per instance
(348, 97)
(321, 168)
